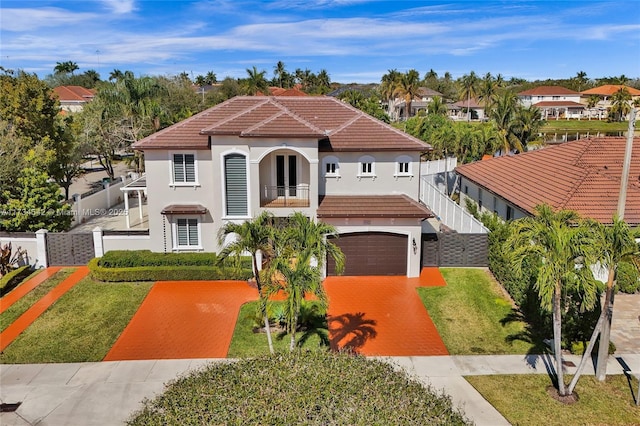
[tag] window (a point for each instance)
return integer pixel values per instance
(403, 166)
(509, 212)
(184, 168)
(366, 167)
(331, 167)
(235, 174)
(187, 234)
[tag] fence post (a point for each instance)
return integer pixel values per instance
(98, 245)
(41, 248)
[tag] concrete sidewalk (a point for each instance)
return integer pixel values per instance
(106, 393)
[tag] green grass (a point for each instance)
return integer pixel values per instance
(247, 343)
(523, 400)
(467, 313)
(303, 388)
(25, 302)
(584, 125)
(81, 326)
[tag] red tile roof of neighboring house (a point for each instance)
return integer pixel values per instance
(558, 104)
(583, 176)
(73, 93)
(473, 103)
(336, 125)
(279, 91)
(548, 91)
(371, 206)
(610, 89)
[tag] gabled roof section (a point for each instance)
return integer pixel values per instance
(610, 89)
(549, 91)
(584, 176)
(337, 125)
(73, 93)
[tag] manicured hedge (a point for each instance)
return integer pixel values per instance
(12, 279)
(130, 258)
(166, 273)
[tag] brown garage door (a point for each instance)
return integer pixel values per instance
(372, 253)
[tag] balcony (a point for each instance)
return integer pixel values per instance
(285, 196)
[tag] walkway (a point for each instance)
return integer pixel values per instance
(30, 315)
(625, 326)
(17, 293)
(106, 393)
(183, 319)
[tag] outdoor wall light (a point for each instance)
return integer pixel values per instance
(415, 247)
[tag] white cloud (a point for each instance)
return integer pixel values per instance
(31, 19)
(120, 7)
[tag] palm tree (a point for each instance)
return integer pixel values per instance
(323, 81)
(301, 252)
(279, 71)
(502, 115)
(526, 124)
(581, 80)
(407, 87)
(116, 75)
(437, 106)
(615, 243)
(487, 92)
(592, 101)
(65, 67)
(388, 86)
(621, 104)
(252, 237)
(469, 86)
(558, 242)
(211, 78)
(256, 82)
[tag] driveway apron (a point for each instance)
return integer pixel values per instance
(382, 316)
(183, 319)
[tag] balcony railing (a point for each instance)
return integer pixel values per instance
(285, 196)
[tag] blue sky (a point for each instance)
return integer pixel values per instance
(354, 40)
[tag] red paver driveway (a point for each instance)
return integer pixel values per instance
(183, 319)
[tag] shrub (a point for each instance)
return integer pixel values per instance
(131, 258)
(311, 388)
(628, 278)
(9, 281)
(166, 273)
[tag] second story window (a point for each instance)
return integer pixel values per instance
(184, 168)
(331, 168)
(367, 167)
(403, 166)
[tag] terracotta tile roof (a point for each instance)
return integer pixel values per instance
(184, 209)
(548, 91)
(473, 103)
(73, 93)
(371, 206)
(279, 91)
(337, 125)
(558, 104)
(583, 176)
(610, 89)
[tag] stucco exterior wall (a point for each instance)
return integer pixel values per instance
(488, 200)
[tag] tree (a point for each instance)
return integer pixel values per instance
(469, 87)
(502, 115)
(562, 245)
(487, 92)
(301, 251)
(615, 243)
(253, 237)
(592, 101)
(387, 89)
(278, 72)
(526, 125)
(581, 80)
(67, 67)
(407, 88)
(256, 82)
(115, 75)
(36, 204)
(437, 106)
(621, 104)
(67, 155)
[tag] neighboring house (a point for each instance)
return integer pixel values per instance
(73, 98)
(554, 102)
(583, 175)
(604, 93)
(458, 110)
(315, 155)
(419, 103)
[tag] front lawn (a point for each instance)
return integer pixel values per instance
(468, 311)
(248, 343)
(81, 326)
(583, 126)
(523, 400)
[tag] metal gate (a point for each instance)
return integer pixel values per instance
(453, 249)
(65, 249)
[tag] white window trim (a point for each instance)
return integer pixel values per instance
(174, 234)
(224, 188)
(403, 159)
(363, 160)
(331, 160)
(172, 182)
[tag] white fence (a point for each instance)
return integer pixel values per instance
(25, 241)
(88, 205)
(448, 211)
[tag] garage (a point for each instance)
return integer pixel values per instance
(372, 253)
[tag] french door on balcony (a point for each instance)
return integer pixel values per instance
(287, 175)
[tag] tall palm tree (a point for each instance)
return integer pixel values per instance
(502, 115)
(66, 67)
(388, 86)
(301, 251)
(256, 81)
(581, 80)
(116, 75)
(252, 236)
(621, 104)
(558, 242)
(323, 81)
(469, 87)
(526, 124)
(407, 87)
(279, 71)
(487, 92)
(615, 243)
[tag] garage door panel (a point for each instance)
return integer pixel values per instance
(372, 253)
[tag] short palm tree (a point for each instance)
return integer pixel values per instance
(560, 244)
(526, 124)
(437, 106)
(251, 237)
